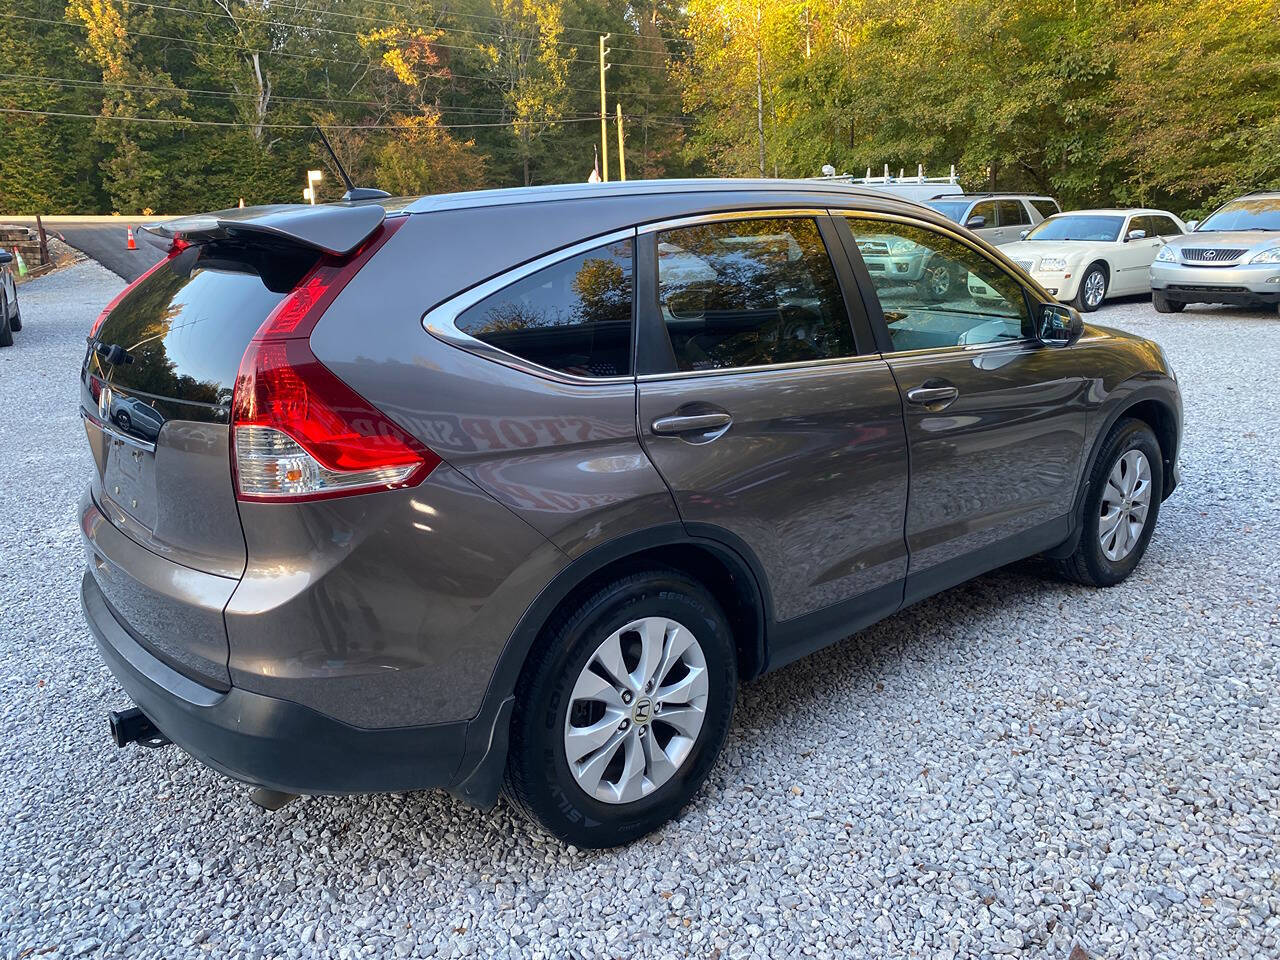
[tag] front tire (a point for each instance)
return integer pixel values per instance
(639, 681)
(1093, 288)
(936, 283)
(1121, 507)
(1164, 305)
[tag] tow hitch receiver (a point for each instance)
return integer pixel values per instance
(134, 726)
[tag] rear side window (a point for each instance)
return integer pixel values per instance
(750, 293)
(573, 316)
(1012, 213)
(1046, 207)
(1160, 226)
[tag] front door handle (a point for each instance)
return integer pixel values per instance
(689, 423)
(935, 398)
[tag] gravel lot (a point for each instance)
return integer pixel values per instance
(1012, 768)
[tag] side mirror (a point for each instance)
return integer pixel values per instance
(1135, 235)
(1023, 234)
(1192, 224)
(974, 222)
(1060, 325)
(5, 257)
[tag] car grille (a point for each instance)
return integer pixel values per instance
(1205, 288)
(1211, 254)
(1025, 264)
(876, 248)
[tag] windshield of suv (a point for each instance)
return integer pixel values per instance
(952, 209)
(1260, 214)
(1070, 227)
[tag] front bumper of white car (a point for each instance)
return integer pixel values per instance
(1246, 284)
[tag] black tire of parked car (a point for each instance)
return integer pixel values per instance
(538, 780)
(1079, 302)
(6, 331)
(1088, 564)
(15, 321)
(936, 283)
(1164, 305)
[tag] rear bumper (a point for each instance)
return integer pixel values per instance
(289, 747)
(1244, 285)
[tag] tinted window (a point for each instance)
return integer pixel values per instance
(186, 325)
(573, 316)
(750, 292)
(1162, 227)
(1012, 213)
(986, 210)
(937, 292)
(1046, 208)
(1068, 226)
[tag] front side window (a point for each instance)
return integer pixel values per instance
(937, 292)
(573, 316)
(750, 293)
(986, 210)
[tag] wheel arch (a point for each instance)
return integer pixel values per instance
(715, 557)
(1153, 405)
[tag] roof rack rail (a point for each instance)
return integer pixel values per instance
(830, 176)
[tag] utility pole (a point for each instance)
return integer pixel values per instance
(604, 113)
(622, 157)
(759, 90)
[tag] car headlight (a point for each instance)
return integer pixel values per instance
(1268, 256)
(1167, 255)
(1053, 264)
(900, 247)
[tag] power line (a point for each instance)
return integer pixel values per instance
(221, 15)
(297, 56)
(279, 126)
(378, 20)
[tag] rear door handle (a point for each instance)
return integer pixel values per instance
(933, 397)
(690, 423)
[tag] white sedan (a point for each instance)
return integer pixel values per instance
(1085, 256)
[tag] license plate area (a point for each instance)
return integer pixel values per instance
(129, 480)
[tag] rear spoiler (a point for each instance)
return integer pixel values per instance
(335, 229)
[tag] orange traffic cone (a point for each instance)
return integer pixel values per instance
(132, 245)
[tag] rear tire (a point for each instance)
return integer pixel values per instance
(15, 322)
(1115, 491)
(6, 331)
(566, 686)
(1093, 288)
(1164, 305)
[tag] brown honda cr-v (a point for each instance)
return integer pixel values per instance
(509, 491)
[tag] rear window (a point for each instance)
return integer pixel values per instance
(186, 326)
(573, 316)
(1046, 207)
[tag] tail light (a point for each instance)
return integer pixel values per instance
(300, 432)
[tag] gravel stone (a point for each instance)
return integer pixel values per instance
(1014, 768)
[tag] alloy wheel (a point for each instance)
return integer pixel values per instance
(636, 710)
(1126, 500)
(1095, 288)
